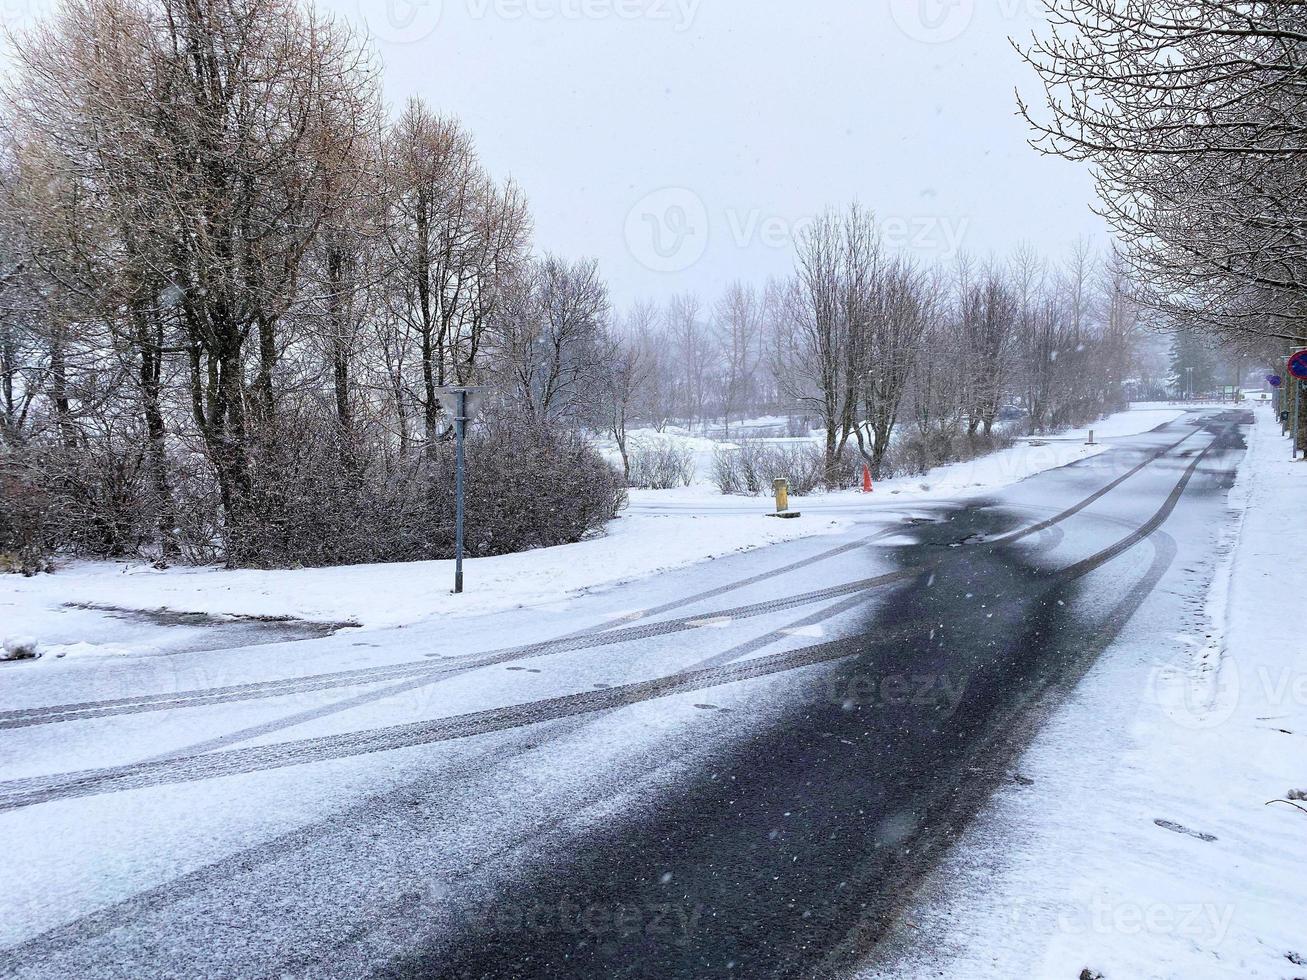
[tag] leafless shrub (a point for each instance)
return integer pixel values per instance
(751, 466)
(925, 447)
(661, 464)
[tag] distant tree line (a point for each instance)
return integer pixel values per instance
(899, 365)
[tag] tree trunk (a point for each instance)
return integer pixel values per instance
(59, 393)
(149, 343)
(267, 364)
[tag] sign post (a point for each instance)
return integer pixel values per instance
(465, 404)
(1296, 367)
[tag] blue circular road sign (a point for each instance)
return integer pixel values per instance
(1298, 365)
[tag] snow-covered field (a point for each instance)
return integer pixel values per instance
(956, 481)
(663, 530)
(1007, 467)
(1143, 840)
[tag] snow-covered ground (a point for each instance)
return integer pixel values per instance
(1138, 841)
(636, 546)
(663, 530)
(251, 781)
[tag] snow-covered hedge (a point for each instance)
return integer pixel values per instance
(322, 498)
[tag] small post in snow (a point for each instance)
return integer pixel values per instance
(1296, 369)
(1091, 438)
(782, 489)
(1297, 415)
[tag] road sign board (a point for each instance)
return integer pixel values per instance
(472, 398)
(1274, 380)
(1298, 365)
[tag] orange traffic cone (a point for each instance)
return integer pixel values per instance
(866, 478)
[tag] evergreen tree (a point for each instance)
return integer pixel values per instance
(1193, 363)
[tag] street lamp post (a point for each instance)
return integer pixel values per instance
(460, 424)
(465, 400)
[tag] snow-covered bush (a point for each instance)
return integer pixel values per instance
(324, 496)
(26, 532)
(89, 497)
(524, 489)
(923, 447)
(19, 648)
(660, 463)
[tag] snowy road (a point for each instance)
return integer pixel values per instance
(735, 768)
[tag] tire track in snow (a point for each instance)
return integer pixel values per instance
(237, 761)
(26, 717)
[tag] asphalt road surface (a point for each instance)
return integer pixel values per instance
(737, 770)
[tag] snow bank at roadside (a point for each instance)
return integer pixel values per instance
(636, 546)
(1140, 418)
(1031, 456)
(1145, 846)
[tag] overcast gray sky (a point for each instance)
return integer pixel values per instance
(682, 142)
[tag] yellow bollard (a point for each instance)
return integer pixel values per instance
(782, 495)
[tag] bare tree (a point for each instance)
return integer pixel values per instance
(690, 338)
(630, 365)
(1192, 116)
(900, 308)
(813, 354)
(455, 238)
(206, 131)
(849, 334)
(552, 341)
(739, 321)
(988, 316)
